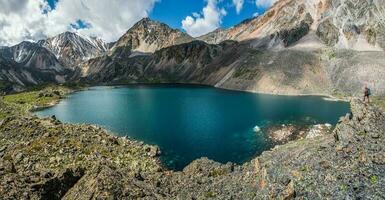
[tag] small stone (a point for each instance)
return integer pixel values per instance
(139, 176)
(2, 148)
(375, 135)
(289, 192)
(153, 151)
(18, 157)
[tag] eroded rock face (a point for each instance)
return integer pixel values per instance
(345, 24)
(328, 32)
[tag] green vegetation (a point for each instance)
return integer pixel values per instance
(371, 35)
(210, 194)
(2, 115)
(379, 102)
(331, 54)
(374, 179)
(217, 172)
(36, 98)
(305, 168)
(248, 72)
(343, 187)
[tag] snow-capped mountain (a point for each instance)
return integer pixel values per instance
(296, 47)
(72, 49)
(28, 64)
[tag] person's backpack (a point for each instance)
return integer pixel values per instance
(369, 92)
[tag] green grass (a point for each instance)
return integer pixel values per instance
(374, 179)
(40, 97)
(2, 115)
(343, 187)
(379, 102)
(210, 194)
(217, 172)
(330, 53)
(35, 98)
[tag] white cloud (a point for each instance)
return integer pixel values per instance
(209, 20)
(25, 19)
(238, 5)
(21, 20)
(264, 3)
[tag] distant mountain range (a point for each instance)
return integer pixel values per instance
(296, 47)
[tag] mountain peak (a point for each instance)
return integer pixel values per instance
(72, 49)
(145, 19)
(148, 35)
(67, 34)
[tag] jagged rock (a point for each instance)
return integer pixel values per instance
(289, 192)
(57, 186)
(283, 133)
(318, 130)
(291, 36)
(153, 151)
(328, 32)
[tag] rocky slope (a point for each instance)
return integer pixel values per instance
(346, 24)
(185, 63)
(45, 159)
(233, 65)
(296, 47)
(29, 64)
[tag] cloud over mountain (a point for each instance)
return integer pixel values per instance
(265, 3)
(209, 20)
(32, 20)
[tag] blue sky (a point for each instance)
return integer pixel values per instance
(172, 12)
(109, 19)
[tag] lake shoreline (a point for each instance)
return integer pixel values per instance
(328, 97)
(202, 178)
(188, 86)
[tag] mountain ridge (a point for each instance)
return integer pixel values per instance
(72, 49)
(296, 47)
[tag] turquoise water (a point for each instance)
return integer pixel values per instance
(189, 122)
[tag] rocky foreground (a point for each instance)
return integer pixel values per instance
(45, 159)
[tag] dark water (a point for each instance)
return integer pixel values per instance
(189, 122)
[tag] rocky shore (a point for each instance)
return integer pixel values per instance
(284, 133)
(45, 159)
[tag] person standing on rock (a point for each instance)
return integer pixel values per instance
(367, 93)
